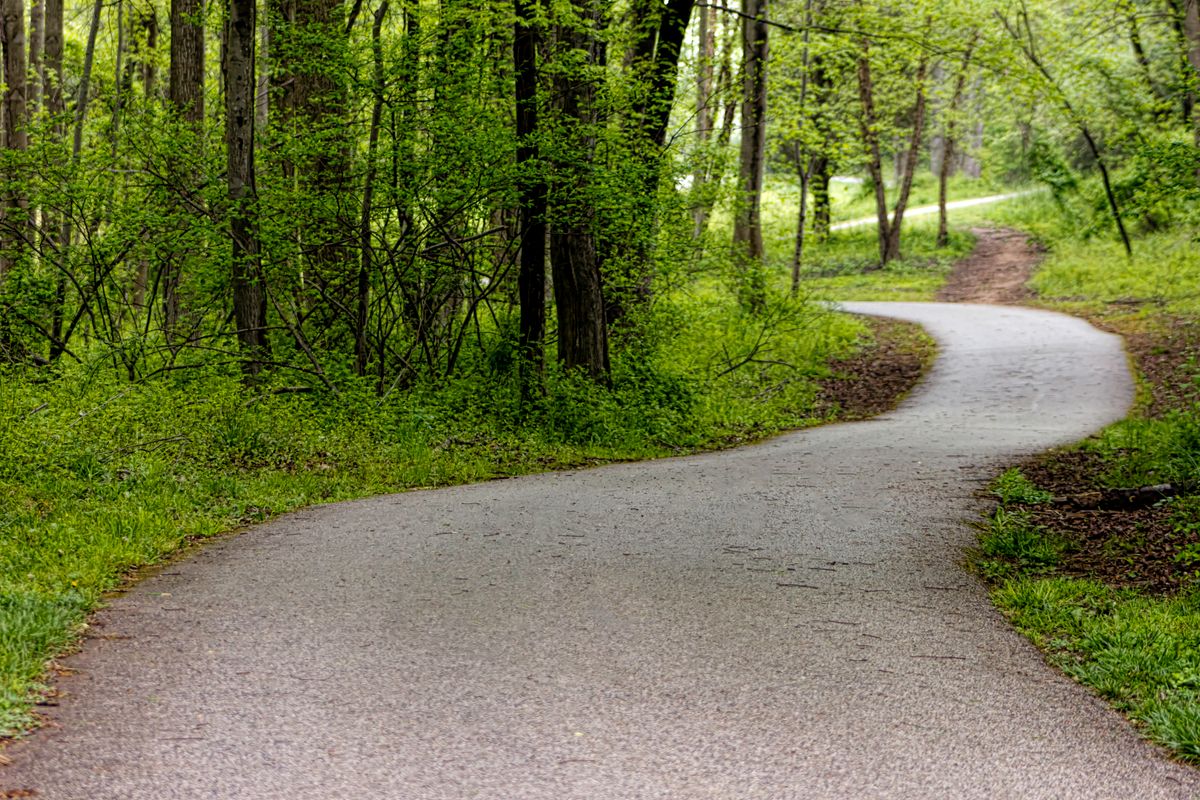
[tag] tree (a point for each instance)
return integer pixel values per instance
(578, 294)
(185, 95)
(531, 195)
(889, 231)
(950, 140)
(249, 290)
(15, 129)
(747, 226)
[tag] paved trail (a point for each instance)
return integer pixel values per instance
(922, 211)
(782, 621)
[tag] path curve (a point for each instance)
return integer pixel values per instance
(788, 620)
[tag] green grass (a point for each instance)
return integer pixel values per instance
(1013, 487)
(98, 477)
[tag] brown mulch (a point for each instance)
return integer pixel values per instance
(1121, 538)
(996, 271)
(1122, 543)
(878, 377)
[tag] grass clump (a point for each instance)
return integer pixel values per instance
(1013, 487)
(1012, 545)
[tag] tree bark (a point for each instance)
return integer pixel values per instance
(531, 276)
(185, 94)
(1191, 27)
(37, 48)
(870, 131)
(822, 174)
(15, 130)
(705, 113)
(949, 141)
(579, 298)
(910, 166)
(249, 293)
(747, 227)
(361, 352)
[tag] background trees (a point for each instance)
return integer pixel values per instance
(395, 193)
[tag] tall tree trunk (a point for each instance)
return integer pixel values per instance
(12, 39)
(870, 131)
(185, 93)
(822, 173)
(747, 226)
(366, 251)
(249, 292)
(60, 337)
(314, 55)
(910, 165)
(531, 277)
(712, 161)
(52, 91)
(578, 295)
(1191, 27)
(37, 48)
(705, 112)
(949, 140)
(804, 173)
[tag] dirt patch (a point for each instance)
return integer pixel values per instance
(878, 377)
(996, 271)
(1123, 538)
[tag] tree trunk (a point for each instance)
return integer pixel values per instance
(949, 138)
(579, 299)
(747, 226)
(185, 94)
(15, 130)
(37, 47)
(1191, 27)
(315, 55)
(249, 293)
(822, 173)
(870, 131)
(804, 173)
(705, 113)
(531, 277)
(713, 159)
(361, 352)
(910, 166)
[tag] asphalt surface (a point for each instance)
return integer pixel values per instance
(789, 620)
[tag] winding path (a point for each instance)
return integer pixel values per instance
(789, 620)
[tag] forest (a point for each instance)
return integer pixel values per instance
(334, 194)
(259, 255)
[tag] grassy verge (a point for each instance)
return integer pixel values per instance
(1139, 651)
(1105, 579)
(98, 477)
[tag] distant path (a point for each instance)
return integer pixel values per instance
(920, 211)
(996, 271)
(788, 620)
